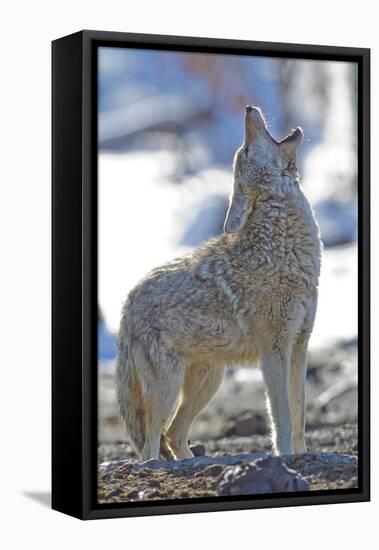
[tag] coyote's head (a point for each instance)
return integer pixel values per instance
(261, 165)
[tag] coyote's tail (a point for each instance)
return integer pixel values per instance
(129, 396)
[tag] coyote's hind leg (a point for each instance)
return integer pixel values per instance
(162, 388)
(200, 383)
(148, 386)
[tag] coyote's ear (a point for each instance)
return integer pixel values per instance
(238, 213)
(290, 143)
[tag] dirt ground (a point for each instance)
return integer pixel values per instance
(121, 479)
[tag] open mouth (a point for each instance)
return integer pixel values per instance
(255, 127)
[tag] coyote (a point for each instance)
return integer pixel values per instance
(249, 295)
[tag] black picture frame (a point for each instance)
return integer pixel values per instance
(74, 272)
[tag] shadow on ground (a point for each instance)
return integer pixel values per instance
(42, 497)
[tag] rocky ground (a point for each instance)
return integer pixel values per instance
(232, 442)
(228, 468)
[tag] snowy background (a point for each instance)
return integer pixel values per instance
(169, 124)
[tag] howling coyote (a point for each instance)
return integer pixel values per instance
(249, 295)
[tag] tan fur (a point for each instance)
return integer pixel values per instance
(249, 294)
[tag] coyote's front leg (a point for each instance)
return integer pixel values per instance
(275, 367)
(297, 375)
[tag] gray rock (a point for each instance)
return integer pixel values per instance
(198, 450)
(269, 475)
(245, 424)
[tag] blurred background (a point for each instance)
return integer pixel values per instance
(169, 124)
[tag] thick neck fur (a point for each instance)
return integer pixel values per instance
(281, 232)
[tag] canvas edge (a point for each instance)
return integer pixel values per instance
(85, 507)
